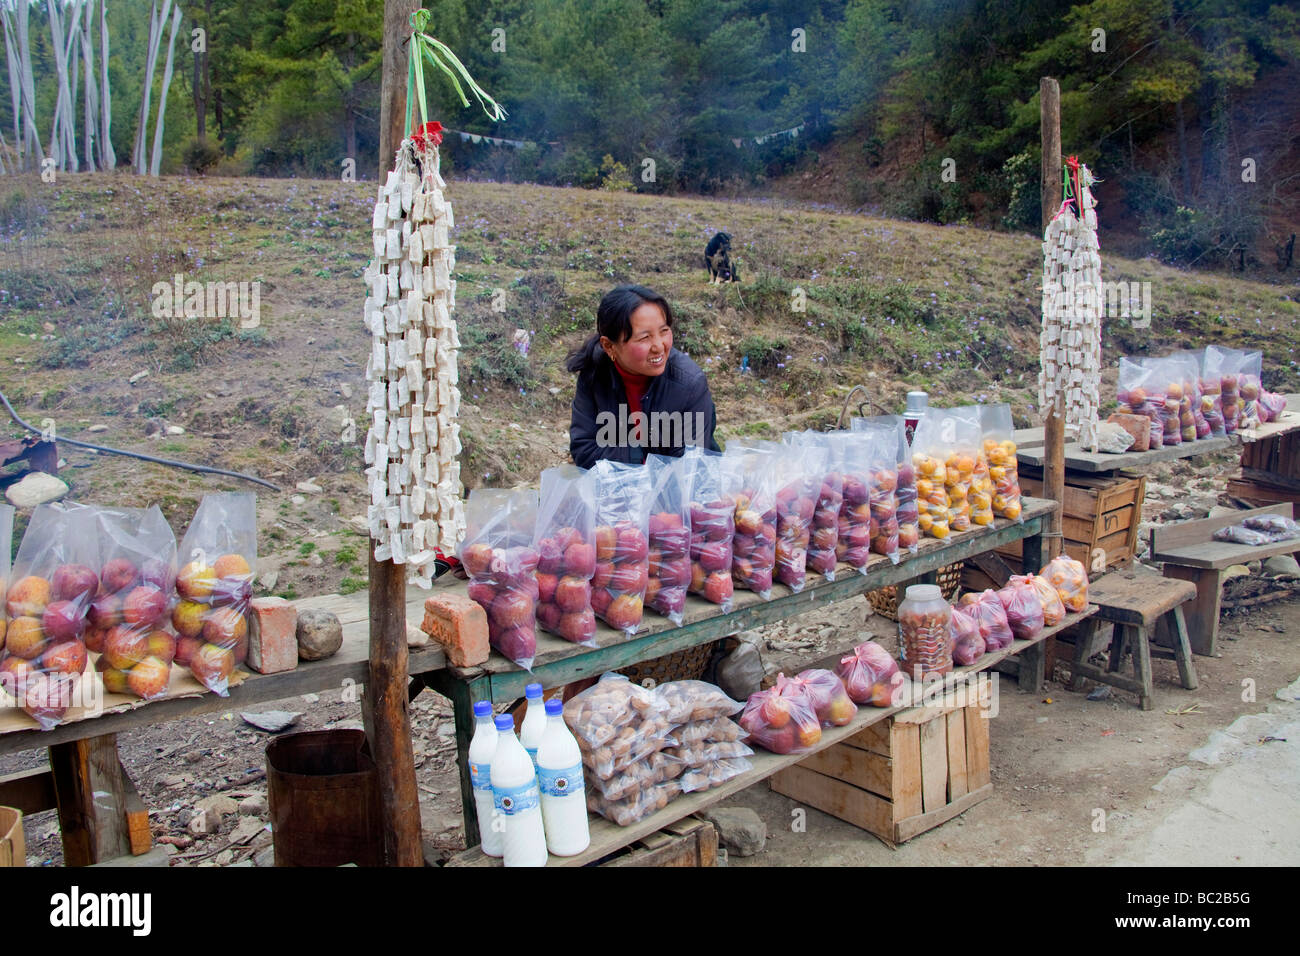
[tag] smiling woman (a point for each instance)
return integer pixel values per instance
(636, 394)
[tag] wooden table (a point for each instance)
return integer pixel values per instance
(86, 782)
(559, 662)
(606, 837)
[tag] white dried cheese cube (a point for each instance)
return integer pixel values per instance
(394, 284)
(404, 434)
(393, 245)
(379, 219)
(399, 552)
(431, 429)
(415, 248)
(383, 552)
(395, 204)
(408, 191)
(432, 470)
(407, 281)
(379, 241)
(395, 397)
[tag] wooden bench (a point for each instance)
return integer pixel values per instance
(1190, 554)
(1134, 603)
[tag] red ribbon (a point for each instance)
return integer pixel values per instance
(428, 135)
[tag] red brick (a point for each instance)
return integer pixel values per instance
(272, 635)
(459, 624)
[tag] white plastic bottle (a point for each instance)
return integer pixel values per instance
(559, 772)
(481, 748)
(517, 799)
(534, 725)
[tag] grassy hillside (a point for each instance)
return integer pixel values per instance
(889, 304)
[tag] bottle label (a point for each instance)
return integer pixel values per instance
(513, 801)
(561, 783)
(480, 774)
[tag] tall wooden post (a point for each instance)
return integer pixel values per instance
(392, 104)
(1049, 95)
(388, 716)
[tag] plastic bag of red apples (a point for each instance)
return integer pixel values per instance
(669, 532)
(566, 550)
(897, 515)
(870, 675)
(712, 482)
(129, 626)
(55, 579)
(754, 544)
(782, 719)
(503, 567)
(215, 588)
(622, 511)
(826, 485)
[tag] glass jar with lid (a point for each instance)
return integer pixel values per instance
(923, 637)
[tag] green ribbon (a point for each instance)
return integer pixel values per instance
(439, 55)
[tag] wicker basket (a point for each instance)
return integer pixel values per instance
(688, 664)
(884, 601)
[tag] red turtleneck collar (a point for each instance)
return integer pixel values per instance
(635, 386)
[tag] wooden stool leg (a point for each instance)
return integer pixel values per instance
(1083, 649)
(1183, 650)
(1137, 637)
(1118, 645)
(92, 800)
(1202, 615)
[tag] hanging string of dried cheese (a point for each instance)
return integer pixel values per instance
(1070, 340)
(413, 442)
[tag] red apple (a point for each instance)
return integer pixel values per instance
(825, 539)
(604, 571)
(479, 591)
(148, 679)
(567, 537)
(186, 647)
(718, 587)
(46, 698)
(600, 601)
(119, 574)
(187, 618)
(68, 658)
(822, 562)
(749, 522)
(125, 647)
(212, 666)
(546, 587)
(578, 626)
(674, 541)
(14, 673)
(654, 589)
(195, 581)
(94, 639)
(25, 638)
(512, 609)
(675, 573)
(548, 615)
(606, 541)
(517, 643)
(572, 594)
(224, 626)
(144, 605)
(159, 573)
(742, 546)
(73, 582)
(624, 612)
(64, 620)
(629, 578)
(715, 556)
(106, 611)
(632, 546)
(698, 577)
(663, 521)
(476, 558)
(580, 560)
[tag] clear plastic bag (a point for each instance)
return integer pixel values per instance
(1271, 406)
(567, 550)
(635, 808)
(991, 617)
(828, 488)
(687, 701)
(713, 485)
(1226, 363)
(1003, 467)
(782, 719)
(1211, 388)
(1193, 400)
(968, 644)
(669, 532)
(717, 730)
(1023, 606)
(870, 675)
(714, 773)
(501, 560)
(1240, 534)
(215, 587)
(1140, 394)
(1277, 527)
(863, 497)
(962, 439)
(1053, 607)
(48, 602)
(902, 475)
(1070, 579)
(137, 588)
(1167, 380)
(617, 723)
(622, 499)
(830, 699)
(932, 446)
(754, 545)
(703, 752)
(655, 769)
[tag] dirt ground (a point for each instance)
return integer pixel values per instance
(1056, 758)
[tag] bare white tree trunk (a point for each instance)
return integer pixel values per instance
(92, 89)
(156, 23)
(107, 158)
(31, 138)
(15, 88)
(63, 135)
(162, 97)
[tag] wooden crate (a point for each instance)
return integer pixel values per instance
(1278, 455)
(902, 776)
(686, 843)
(13, 850)
(1098, 512)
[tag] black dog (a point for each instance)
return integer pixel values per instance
(717, 259)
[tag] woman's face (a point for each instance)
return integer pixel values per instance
(646, 351)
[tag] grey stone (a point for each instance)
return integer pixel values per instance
(320, 635)
(175, 430)
(253, 806)
(310, 487)
(137, 376)
(315, 560)
(97, 428)
(272, 721)
(217, 804)
(740, 829)
(1100, 692)
(246, 829)
(36, 488)
(740, 673)
(1236, 571)
(265, 857)
(1254, 567)
(1112, 439)
(269, 579)
(203, 823)
(1282, 565)
(346, 389)
(299, 499)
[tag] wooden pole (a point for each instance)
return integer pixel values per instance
(392, 102)
(1049, 95)
(388, 716)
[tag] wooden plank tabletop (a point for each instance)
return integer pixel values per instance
(705, 621)
(1189, 543)
(187, 698)
(607, 837)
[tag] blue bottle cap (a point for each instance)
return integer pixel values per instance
(533, 690)
(505, 722)
(483, 708)
(554, 707)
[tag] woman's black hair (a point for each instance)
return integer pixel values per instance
(614, 320)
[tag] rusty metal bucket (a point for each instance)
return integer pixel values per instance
(323, 790)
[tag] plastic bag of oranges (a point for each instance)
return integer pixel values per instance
(1000, 452)
(929, 455)
(1070, 580)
